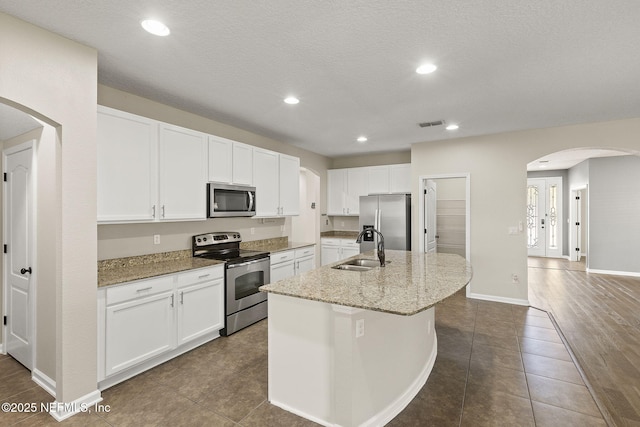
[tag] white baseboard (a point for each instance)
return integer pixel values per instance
(515, 301)
(614, 273)
(63, 410)
(44, 381)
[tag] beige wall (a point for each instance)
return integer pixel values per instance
(54, 79)
(497, 166)
(376, 159)
(116, 241)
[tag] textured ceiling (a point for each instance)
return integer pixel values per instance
(503, 65)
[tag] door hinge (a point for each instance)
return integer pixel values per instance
(425, 191)
(577, 223)
(4, 320)
(577, 197)
(425, 231)
(4, 177)
(577, 249)
(6, 249)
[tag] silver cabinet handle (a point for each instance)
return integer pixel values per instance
(204, 275)
(182, 298)
(153, 211)
(172, 296)
(143, 289)
(162, 211)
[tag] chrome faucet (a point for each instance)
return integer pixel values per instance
(380, 242)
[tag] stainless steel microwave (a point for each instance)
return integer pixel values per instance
(224, 200)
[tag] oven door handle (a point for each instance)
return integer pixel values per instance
(242, 264)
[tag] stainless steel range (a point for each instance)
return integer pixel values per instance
(245, 272)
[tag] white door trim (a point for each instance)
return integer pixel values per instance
(420, 235)
(32, 246)
(573, 217)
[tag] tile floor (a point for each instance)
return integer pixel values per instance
(497, 365)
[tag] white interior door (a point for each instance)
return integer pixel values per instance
(544, 217)
(18, 212)
(430, 197)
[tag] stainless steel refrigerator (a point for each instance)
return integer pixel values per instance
(390, 214)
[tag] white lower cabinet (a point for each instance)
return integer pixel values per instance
(290, 263)
(334, 250)
(147, 322)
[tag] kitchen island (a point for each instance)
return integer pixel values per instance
(353, 348)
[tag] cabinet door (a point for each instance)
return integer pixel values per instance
(289, 185)
(400, 176)
(265, 175)
(242, 164)
(329, 254)
(220, 159)
(127, 166)
(357, 185)
(305, 264)
(183, 173)
(349, 248)
(281, 271)
(379, 179)
(200, 309)
(336, 192)
(138, 330)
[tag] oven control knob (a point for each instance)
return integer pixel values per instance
(199, 240)
(204, 239)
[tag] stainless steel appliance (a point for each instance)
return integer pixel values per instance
(245, 272)
(224, 200)
(390, 214)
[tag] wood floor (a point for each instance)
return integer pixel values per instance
(599, 316)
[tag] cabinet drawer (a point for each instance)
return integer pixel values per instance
(138, 289)
(200, 275)
(284, 256)
(349, 243)
(332, 242)
(305, 252)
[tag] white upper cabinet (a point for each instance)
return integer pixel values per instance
(378, 179)
(344, 188)
(127, 149)
(289, 185)
(230, 162)
(149, 171)
(277, 179)
(183, 173)
(400, 178)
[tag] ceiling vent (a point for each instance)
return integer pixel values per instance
(431, 124)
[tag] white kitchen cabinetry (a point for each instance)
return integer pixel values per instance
(334, 249)
(277, 181)
(290, 263)
(390, 179)
(148, 171)
(183, 174)
(147, 322)
(345, 186)
(230, 162)
(305, 260)
(200, 304)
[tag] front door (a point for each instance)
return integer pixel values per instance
(430, 237)
(18, 213)
(544, 217)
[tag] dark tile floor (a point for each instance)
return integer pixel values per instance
(497, 365)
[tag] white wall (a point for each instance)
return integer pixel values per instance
(497, 165)
(54, 79)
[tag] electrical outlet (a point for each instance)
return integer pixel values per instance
(253, 230)
(156, 239)
(359, 328)
(341, 223)
(514, 278)
(282, 228)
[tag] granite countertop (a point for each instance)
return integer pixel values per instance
(409, 283)
(274, 245)
(340, 234)
(121, 270)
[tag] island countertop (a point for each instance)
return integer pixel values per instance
(409, 283)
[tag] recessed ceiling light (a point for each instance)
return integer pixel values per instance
(362, 139)
(426, 69)
(156, 28)
(291, 100)
(452, 127)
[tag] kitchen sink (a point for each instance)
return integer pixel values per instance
(360, 264)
